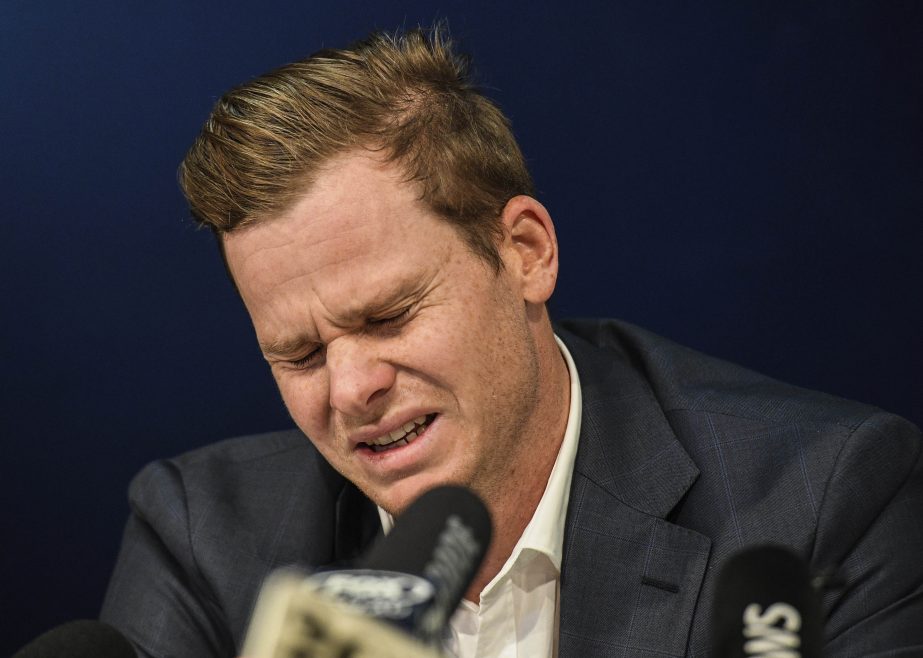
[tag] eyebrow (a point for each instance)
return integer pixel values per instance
(287, 346)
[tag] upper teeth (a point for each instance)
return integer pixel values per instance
(408, 432)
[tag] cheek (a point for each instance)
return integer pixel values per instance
(448, 352)
(305, 396)
(446, 345)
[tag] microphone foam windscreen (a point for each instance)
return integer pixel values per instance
(79, 639)
(443, 537)
(765, 606)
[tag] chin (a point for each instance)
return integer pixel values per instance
(400, 495)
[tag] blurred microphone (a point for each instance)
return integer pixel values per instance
(442, 537)
(79, 639)
(765, 607)
(396, 604)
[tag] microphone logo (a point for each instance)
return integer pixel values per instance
(457, 553)
(378, 593)
(773, 632)
(765, 606)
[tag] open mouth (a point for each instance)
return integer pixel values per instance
(401, 436)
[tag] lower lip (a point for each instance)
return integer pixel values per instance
(403, 455)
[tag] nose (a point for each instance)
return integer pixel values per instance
(359, 378)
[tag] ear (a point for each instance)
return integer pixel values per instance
(530, 248)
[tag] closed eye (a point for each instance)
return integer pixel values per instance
(315, 358)
(310, 360)
(392, 321)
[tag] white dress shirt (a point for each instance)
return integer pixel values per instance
(518, 612)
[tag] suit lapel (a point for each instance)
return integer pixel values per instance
(630, 579)
(357, 525)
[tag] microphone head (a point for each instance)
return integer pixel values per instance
(765, 606)
(79, 639)
(443, 537)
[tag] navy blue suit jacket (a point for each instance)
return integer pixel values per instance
(683, 459)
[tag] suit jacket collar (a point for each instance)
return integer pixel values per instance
(630, 579)
(627, 446)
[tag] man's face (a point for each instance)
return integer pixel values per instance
(376, 319)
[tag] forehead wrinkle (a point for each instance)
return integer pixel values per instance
(279, 231)
(283, 345)
(383, 298)
(263, 260)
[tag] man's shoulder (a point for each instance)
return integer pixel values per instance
(267, 446)
(231, 511)
(734, 422)
(684, 380)
(213, 522)
(224, 464)
(240, 487)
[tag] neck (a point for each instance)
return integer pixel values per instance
(514, 502)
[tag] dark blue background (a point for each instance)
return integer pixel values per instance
(743, 177)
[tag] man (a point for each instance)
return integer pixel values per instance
(377, 218)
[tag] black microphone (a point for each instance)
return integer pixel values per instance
(79, 639)
(442, 537)
(765, 607)
(397, 603)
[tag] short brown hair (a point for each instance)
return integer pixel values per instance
(408, 95)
